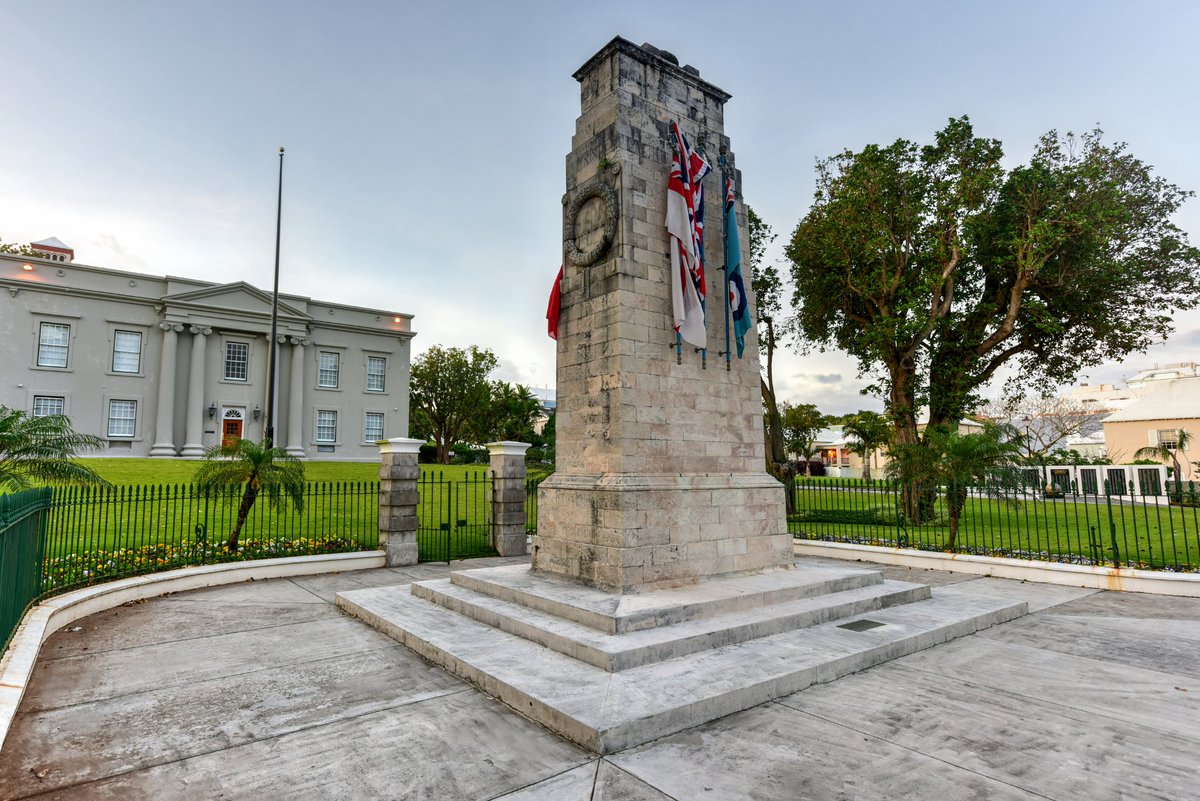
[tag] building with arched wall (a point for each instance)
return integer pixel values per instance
(166, 366)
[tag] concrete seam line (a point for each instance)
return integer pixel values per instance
(1097, 577)
(41, 621)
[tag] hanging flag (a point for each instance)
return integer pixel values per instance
(739, 306)
(555, 306)
(686, 232)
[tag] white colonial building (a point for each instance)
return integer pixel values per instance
(168, 367)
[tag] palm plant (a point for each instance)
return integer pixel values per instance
(260, 469)
(40, 449)
(869, 432)
(1165, 451)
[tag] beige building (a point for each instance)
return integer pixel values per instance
(1156, 420)
(169, 367)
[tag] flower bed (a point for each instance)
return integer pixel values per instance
(90, 567)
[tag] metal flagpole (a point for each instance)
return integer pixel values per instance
(723, 162)
(269, 431)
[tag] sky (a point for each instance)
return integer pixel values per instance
(426, 142)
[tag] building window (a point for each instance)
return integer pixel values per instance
(1168, 439)
(122, 415)
(53, 341)
(327, 370)
(237, 355)
(46, 405)
(326, 426)
(373, 430)
(376, 371)
(127, 352)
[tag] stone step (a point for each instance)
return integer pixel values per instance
(615, 652)
(611, 711)
(619, 614)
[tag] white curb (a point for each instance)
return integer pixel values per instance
(61, 610)
(1098, 577)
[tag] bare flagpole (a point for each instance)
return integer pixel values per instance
(273, 347)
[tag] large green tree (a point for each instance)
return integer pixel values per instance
(801, 424)
(510, 414)
(449, 393)
(42, 450)
(256, 469)
(935, 266)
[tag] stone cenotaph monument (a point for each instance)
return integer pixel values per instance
(661, 591)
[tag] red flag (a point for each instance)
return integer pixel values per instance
(555, 306)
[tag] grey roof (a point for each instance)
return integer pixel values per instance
(1175, 400)
(52, 242)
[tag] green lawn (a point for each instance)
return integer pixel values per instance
(1083, 528)
(179, 471)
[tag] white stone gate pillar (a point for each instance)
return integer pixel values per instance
(398, 496)
(508, 497)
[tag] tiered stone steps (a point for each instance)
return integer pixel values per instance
(614, 671)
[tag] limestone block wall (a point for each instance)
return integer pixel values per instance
(660, 462)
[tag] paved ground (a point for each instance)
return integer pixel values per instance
(265, 690)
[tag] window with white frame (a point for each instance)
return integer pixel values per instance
(326, 426)
(127, 352)
(122, 418)
(376, 373)
(373, 428)
(237, 356)
(53, 343)
(46, 405)
(1169, 439)
(327, 370)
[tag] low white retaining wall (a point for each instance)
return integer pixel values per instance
(54, 613)
(1121, 579)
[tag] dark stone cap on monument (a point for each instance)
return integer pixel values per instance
(649, 54)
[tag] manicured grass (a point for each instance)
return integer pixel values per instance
(1078, 528)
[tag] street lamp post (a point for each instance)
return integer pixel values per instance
(269, 429)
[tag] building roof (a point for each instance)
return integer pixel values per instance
(51, 242)
(1174, 400)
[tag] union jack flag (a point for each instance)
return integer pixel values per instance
(685, 224)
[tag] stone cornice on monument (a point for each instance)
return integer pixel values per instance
(622, 45)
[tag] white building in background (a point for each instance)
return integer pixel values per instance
(169, 367)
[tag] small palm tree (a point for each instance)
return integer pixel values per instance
(870, 432)
(1165, 452)
(261, 469)
(40, 449)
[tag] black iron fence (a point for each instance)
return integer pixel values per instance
(101, 534)
(1121, 524)
(454, 515)
(23, 518)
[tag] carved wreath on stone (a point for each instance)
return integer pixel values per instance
(595, 188)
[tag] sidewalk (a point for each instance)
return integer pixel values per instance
(265, 690)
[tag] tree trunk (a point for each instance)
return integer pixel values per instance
(443, 451)
(917, 498)
(248, 498)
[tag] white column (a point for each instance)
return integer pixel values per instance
(295, 425)
(164, 426)
(193, 444)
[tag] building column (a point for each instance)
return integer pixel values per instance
(295, 426)
(164, 426)
(193, 442)
(508, 497)
(398, 497)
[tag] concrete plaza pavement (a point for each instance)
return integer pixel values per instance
(266, 690)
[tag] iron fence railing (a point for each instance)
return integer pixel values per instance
(23, 517)
(1121, 524)
(101, 534)
(454, 515)
(531, 493)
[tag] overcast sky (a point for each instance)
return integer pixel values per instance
(426, 141)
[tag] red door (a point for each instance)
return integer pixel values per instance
(231, 431)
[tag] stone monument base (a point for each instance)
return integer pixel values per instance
(610, 671)
(627, 532)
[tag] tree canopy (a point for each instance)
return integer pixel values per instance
(448, 393)
(801, 424)
(934, 266)
(41, 449)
